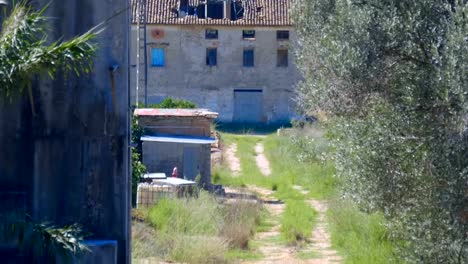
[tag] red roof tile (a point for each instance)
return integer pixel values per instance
(256, 13)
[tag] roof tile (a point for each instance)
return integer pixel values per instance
(256, 13)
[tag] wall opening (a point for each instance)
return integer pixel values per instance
(282, 58)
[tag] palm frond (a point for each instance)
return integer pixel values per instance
(24, 53)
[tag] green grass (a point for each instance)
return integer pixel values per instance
(196, 230)
(189, 216)
(360, 237)
(240, 254)
(246, 154)
(298, 218)
(304, 255)
(315, 176)
(297, 222)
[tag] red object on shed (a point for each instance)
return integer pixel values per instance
(175, 174)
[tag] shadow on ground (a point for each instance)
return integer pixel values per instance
(250, 129)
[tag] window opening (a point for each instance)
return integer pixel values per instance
(282, 34)
(282, 58)
(157, 57)
(248, 34)
(211, 56)
(248, 58)
(211, 34)
(215, 9)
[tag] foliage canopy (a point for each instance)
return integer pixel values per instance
(394, 75)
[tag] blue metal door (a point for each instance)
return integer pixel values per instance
(248, 106)
(191, 169)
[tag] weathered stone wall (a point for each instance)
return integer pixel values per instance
(71, 158)
(195, 126)
(187, 76)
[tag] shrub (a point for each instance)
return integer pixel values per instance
(192, 216)
(171, 103)
(199, 230)
(240, 221)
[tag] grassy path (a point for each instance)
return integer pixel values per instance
(268, 242)
(298, 233)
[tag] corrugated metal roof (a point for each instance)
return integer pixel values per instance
(179, 139)
(256, 13)
(175, 112)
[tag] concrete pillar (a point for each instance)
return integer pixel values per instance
(72, 158)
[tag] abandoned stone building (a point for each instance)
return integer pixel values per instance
(234, 57)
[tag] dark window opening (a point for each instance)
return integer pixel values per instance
(215, 9)
(200, 11)
(192, 10)
(211, 34)
(237, 10)
(248, 34)
(248, 58)
(211, 56)
(282, 58)
(282, 34)
(184, 6)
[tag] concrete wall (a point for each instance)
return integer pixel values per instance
(71, 159)
(187, 76)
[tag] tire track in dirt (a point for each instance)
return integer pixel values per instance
(262, 162)
(272, 251)
(321, 239)
(232, 159)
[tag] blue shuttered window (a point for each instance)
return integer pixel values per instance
(157, 57)
(249, 58)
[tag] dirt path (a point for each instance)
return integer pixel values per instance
(321, 239)
(262, 162)
(232, 159)
(271, 249)
(269, 242)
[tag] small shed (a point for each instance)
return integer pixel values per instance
(178, 138)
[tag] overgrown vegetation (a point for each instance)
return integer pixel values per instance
(41, 242)
(196, 230)
(23, 53)
(298, 218)
(299, 157)
(298, 221)
(171, 103)
(361, 237)
(392, 76)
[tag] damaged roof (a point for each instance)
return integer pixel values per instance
(255, 13)
(175, 112)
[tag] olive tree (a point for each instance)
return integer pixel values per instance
(393, 75)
